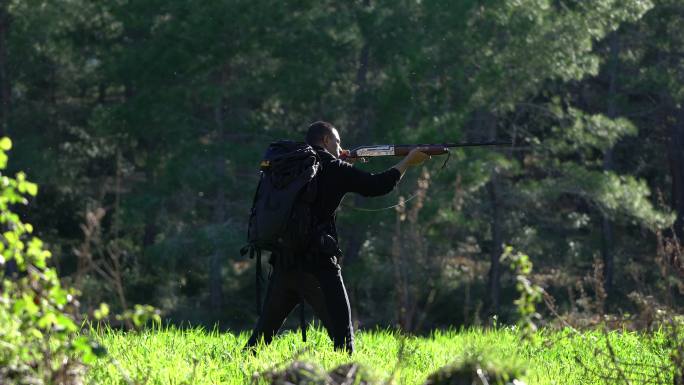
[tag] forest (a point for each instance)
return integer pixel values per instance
(143, 124)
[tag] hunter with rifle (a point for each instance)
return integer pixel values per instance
(293, 217)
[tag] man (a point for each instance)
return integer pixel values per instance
(319, 282)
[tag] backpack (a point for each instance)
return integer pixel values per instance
(281, 219)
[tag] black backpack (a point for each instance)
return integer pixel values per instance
(282, 219)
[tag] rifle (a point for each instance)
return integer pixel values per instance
(404, 149)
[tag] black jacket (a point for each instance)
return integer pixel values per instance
(338, 178)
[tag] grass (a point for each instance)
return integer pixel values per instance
(196, 356)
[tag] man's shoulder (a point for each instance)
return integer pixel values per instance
(328, 159)
(334, 164)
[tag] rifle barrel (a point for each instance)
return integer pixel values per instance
(475, 144)
(403, 149)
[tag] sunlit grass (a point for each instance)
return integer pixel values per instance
(197, 356)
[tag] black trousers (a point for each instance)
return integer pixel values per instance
(322, 288)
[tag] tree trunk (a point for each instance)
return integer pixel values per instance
(215, 281)
(607, 233)
(5, 97)
(485, 123)
(5, 87)
(151, 229)
(676, 158)
(362, 134)
(362, 121)
(398, 268)
(607, 236)
(497, 240)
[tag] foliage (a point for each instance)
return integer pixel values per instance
(38, 339)
(141, 315)
(530, 294)
(158, 112)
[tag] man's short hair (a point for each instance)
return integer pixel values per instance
(318, 131)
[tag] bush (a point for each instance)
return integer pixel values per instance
(39, 341)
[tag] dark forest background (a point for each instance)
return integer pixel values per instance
(143, 123)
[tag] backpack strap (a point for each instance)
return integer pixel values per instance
(302, 319)
(255, 251)
(259, 278)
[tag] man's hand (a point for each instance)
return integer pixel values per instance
(344, 155)
(414, 158)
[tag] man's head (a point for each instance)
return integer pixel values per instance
(325, 135)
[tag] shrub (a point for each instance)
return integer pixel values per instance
(39, 341)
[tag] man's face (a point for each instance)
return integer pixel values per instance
(332, 143)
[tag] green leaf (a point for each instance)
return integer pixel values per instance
(19, 306)
(59, 296)
(102, 312)
(31, 188)
(66, 323)
(90, 350)
(35, 333)
(27, 305)
(11, 237)
(5, 144)
(47, 320)
(81, 344)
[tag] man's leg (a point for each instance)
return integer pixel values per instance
(279, 302)
(328, 297)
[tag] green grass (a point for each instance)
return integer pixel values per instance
(196, 356)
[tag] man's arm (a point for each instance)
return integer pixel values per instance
(352, 179)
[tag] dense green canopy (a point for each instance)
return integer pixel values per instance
(143, 123)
